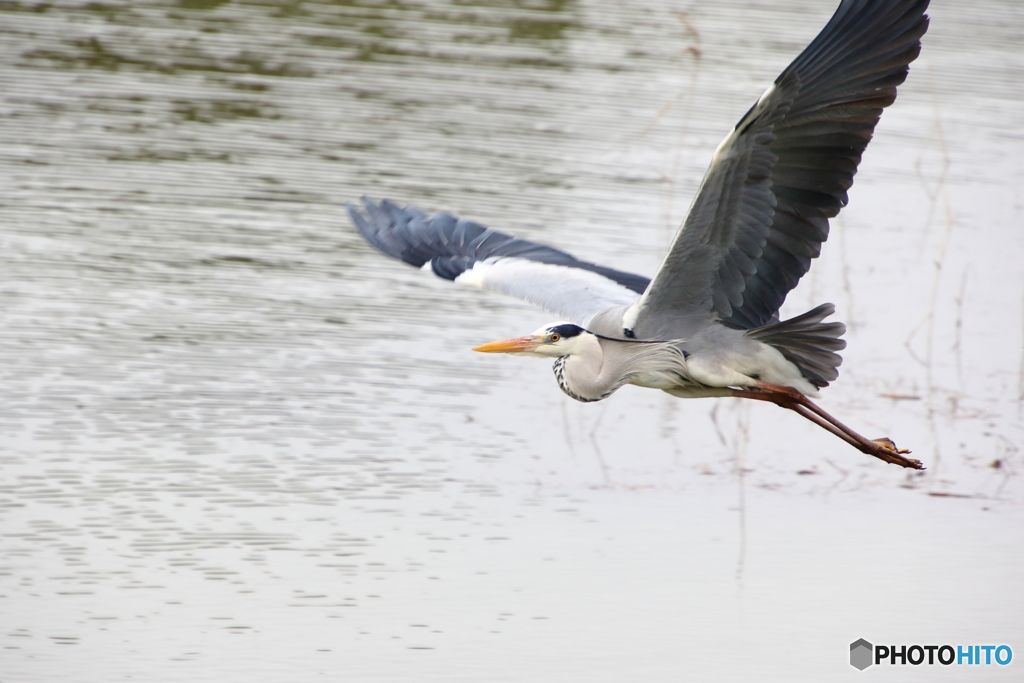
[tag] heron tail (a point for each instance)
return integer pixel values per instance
(808, 343)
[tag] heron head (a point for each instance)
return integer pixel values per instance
(551, 341)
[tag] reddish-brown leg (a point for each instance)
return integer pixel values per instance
(787, 397)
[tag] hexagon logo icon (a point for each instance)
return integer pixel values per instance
(861, 652)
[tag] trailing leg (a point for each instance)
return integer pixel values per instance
(787, 397)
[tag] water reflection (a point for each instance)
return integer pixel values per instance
(220, 406)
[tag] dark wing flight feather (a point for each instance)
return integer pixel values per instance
(454, 245)
(762, 211)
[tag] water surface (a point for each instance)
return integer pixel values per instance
(237, 444)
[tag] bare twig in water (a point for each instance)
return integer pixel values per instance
(695, 52)
(565, 425)
(958, 330)
(1020, 370)
(740, 453)
(597, 448)
(939, 197)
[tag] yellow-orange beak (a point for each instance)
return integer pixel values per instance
(514, 345)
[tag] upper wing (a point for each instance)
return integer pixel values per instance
(762, 211)
(460, 250)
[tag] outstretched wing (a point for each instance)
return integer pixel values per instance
(762, 211)
(464, 251)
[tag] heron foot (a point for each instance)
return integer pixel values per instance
(891, 445)
(888, 451)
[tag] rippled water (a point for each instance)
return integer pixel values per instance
(236, 444)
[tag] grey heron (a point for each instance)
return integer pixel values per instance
(707, 324)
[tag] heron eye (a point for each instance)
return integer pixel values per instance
(555, 337)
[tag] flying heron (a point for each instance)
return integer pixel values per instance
(708, 323)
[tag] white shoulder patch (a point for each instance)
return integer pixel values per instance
(766, 94)
(723, 147)
(631, 315)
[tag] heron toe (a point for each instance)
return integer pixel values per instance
(886, 442)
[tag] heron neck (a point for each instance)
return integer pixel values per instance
(584, 375)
